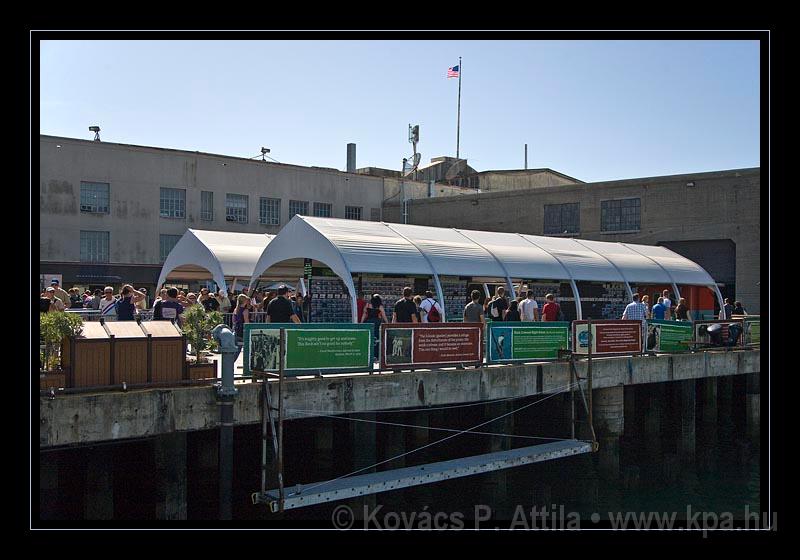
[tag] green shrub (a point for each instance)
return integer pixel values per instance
(197, 326)
(53, 327)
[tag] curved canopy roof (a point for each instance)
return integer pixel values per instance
(349, 246)
(223, 254)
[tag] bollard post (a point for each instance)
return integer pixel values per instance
(226, 394)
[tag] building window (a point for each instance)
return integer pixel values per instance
(173, 203)
(94, 197)
(352, 212)
(207, 206)
(620, 215)
(165, 244)
(562, 218)
(236, 208)
(375, 214)
(269, 211)
(94, 246)
(298, 207)
(323, 209)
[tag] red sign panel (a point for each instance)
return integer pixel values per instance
(608, 337)
(429, 344)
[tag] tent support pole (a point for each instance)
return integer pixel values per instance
(577, 296)
(440, 292)
(721, 302)
(677, 293)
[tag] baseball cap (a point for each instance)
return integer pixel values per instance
(54, 281)
(282, 289)
(51, 289)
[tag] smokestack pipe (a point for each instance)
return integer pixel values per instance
(351, 158)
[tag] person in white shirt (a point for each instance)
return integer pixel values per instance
(668, 304)
(529, 309)
(427, 304)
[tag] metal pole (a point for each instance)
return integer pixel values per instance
(572, 393)
(281, 354)
(526, 156)
(225, 396)
(458, 129)
(589, 380)
(264, 413)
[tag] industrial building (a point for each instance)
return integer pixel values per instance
(111, 213)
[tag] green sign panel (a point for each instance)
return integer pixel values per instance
(327, 349)
(752, 331)
(514, 341)
(668, 336)
(321, 347)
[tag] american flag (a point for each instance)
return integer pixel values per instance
(452, 72)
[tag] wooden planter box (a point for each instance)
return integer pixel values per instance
(195, 371)
(110, 353)
(52, 380)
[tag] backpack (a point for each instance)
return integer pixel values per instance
(493, 311)
(433, 315)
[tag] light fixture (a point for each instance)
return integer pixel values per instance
(690, 184)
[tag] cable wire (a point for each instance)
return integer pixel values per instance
(438, 441)
(434, 428)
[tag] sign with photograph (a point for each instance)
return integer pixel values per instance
(668, 336)
(718, 332)
(516, 341)
(429, 344)
(608, 337)
(321, 347)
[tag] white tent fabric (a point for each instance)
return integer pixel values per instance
(349, 246)
(223, 254)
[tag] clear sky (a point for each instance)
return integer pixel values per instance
(595, 110)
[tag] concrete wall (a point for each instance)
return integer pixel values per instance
(508, 181)
(720, 205)
(86, 418)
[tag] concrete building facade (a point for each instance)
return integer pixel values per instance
(110, 212)
(712, 218)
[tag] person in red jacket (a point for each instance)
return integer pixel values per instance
(551, 309)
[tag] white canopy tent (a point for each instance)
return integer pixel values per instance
(350, 246)
(222, 254)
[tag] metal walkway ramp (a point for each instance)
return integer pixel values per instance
(373, 483)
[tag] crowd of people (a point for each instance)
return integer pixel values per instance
(171, 303)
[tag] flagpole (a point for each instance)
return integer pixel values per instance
(458, 126)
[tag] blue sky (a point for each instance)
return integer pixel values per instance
(595, 110)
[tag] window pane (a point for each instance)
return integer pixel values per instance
(269, 211)
(94, 197)
(166, 243)
(323, 209)
(352, 212)
(94, 246)
(207, 206)
(173, 203)
(298, 207)
(561, 218)
(236, 208)
(620, 215)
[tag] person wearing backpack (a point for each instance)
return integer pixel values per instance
(497, 308)
(374, 313)
(430, 309)
(126, 303)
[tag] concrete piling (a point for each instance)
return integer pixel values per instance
(685, 406)
(99, 502)
(609, 423)
(170, 466)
